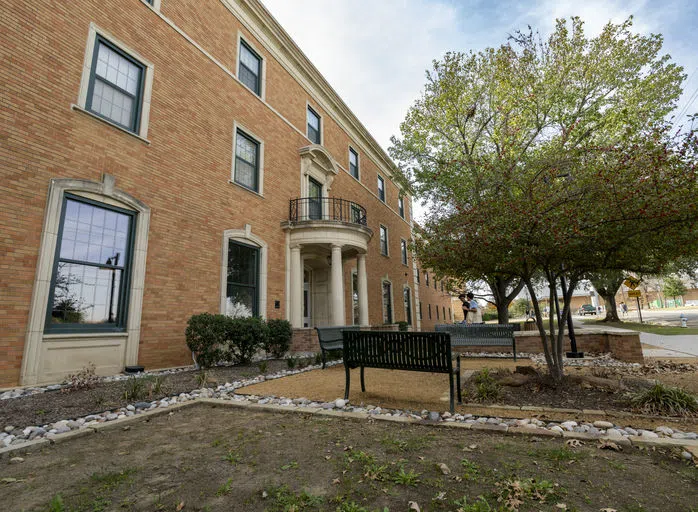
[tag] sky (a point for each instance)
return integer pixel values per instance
(374, 53)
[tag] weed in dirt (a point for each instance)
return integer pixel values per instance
(134, 389)
(84, 379)
(318, 358)
(225, 488)
(56, 504)
(411, 444)
(557, 455)
(110, 481)
(291, 362)
(637, 507)
(201, 378)
(480, 505)
(617, 465)
(470, 469)
(263, 366)
(216, 442)
(514, 493)
(486, 388)
(291, 465)
(661, 399)
(284, 499)
(376, 472)
(408, 478)
(233, 457)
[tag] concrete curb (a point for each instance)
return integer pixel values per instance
(38, 444)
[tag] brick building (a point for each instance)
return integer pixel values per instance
(162, 158)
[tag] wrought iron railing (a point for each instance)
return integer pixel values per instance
(327, 209)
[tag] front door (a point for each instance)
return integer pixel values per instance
(307, 315)
(315, 201)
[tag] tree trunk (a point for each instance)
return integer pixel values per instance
(502, 313)
(499, 285)
(607, 284)
(611, 308)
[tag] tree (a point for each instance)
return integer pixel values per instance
(674, 287)
(607, 283)
(552, 159)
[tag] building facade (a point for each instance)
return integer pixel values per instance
(162, 158)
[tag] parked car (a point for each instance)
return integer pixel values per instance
(586, 309)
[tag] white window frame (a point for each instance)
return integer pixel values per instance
(155, 5)
(358, 163)
(322, 124)
(405, 253)
(260, 165)
(380, 180)
(387, 241)
(147, 92)
(262, 68)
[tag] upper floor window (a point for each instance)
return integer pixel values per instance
(384, 240)
(403, 251)
(401, 206)
(250, 69)
(115, 90)
(381, 189)
(91, 274)
(354, 163)
(246, 161)
(426, 278)
(314, 126)
(417, 276)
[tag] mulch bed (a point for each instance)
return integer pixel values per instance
(52, 406)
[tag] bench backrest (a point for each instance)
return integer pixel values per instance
(334, 333)
(417, 351)
(499, 331)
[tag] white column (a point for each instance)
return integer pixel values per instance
(362, 289)
(337, 286)
(296, 287)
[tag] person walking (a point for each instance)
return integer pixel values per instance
(465, 304)
(474, 311)
(624, 309)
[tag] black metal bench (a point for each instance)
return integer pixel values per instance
(487, 335)
(414, 351)
(330, 338)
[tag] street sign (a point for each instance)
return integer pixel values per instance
(634, 293)
(632, 283)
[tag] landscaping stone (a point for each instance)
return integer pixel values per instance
(340, 403)
(603, 424)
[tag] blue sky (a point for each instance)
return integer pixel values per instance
(375, 52)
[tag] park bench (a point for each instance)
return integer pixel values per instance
(480, 335)
(330, 338)
(391, 350)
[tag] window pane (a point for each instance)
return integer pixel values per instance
(246, 162)
(117, 69)
(408, 306)
(246, 149)
(249, 60)
(242, 280)
(314, 135)
(112, 104)
(84, 294)
(248, 78)
(313, 126)
(240, 301)
(387, 306)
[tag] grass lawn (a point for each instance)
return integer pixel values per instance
(653, 329)
(208, 459)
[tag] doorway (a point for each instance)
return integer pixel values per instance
(307, 306)
(315, 201)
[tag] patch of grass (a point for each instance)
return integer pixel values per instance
(233, 457)
(291, 465)
(283, 499)
(480, 505)
(470, 469)
(225, 488)
(56, 504)
(263, 366)
(557, 455)
(110, 481)
(617, 465)
(408, 478)
(661, 399)
(644, 327)
(400, 445)
(134, 389)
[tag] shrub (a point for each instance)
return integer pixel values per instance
(134, 389)
(661, 399)
(279, 340)
(206, 335)
(517, 309)
(84, 379)
(245, 336)
(291, 362)
(402, 326)
(486, 388)
(489, 315)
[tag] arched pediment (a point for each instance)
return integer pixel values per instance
(320, 157)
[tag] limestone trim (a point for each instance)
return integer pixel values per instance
(34, 359)
(325, 232)
(263, 79)
(92, 33)
(317, 163)
(260, 164)
(154, 6)
(246, 236)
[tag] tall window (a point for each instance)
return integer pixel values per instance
(401, 206)
(381, 189)
(250, 70)
(313, 126)
(420, 311)
(115, 91)
(91, 272)
(384, 240)
(443, 310)
(354, 163)
(426, 278)
(355, 297)
(418, 276)
(449, 314)
(242, 289)
(408, 306)
(437, 312)
(403, 251)
(429, 311)
(387, 303)
(246, 161)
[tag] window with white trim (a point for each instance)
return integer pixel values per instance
(246, 169)
(403, 251)
(314, 125)
(384, 240)
(381, 189)
(250, 68)
(387, 303)
(242, 280)
(401, 206)
(354, 163)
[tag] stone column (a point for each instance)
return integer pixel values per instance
(337, 286)
(296, 294)
(362, 289)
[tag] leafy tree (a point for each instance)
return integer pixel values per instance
(673, 287)
(552, 159)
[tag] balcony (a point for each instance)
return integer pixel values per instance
(326, 209)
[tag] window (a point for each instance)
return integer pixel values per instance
(384, 240)
(429, 311)
(381, 189)
(437, 312)
(442, 286)
(417, 276)
(313, 126)
(250, 68)
(355, 297)
(426, 278)
(354, 163)
(420, 310)
(357, 216)
(91, 274)
(443, 309)
(246, 161)
(242, 290)
(387, 303)
(435, 283)
(401, 206)
(115, 90)
(449, 314)
(403, 251)
(408, 306)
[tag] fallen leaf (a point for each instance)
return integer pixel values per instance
(347, 448)
(605, 444)
(574, 443)
(336, 481)
(420, 457)
(608, 510)
(328, 457)
(441, 496)
(180, 506)
(413, 506)
(444, 468)
(561, 506)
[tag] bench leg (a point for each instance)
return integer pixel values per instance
(346, 383)
(450, 378)
(363, 386)
(323, 357)
(460, 399)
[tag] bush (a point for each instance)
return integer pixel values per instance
(206, 335)
(279, 340)
(517, 309)
(489, 315)
(402, 326)
(245, 336)
(84, 379)
(486, 388)
(661, 399)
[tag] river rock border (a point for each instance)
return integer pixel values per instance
(14, 440)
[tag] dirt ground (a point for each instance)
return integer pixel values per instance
(53, 406)
(221, 459)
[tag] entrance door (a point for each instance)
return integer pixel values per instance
(307, 308)
(315, 201)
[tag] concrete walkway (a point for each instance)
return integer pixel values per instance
(671, 346)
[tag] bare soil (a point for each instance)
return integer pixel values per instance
(222, 459)
(52, 406)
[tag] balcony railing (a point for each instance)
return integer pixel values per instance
(330, 209)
